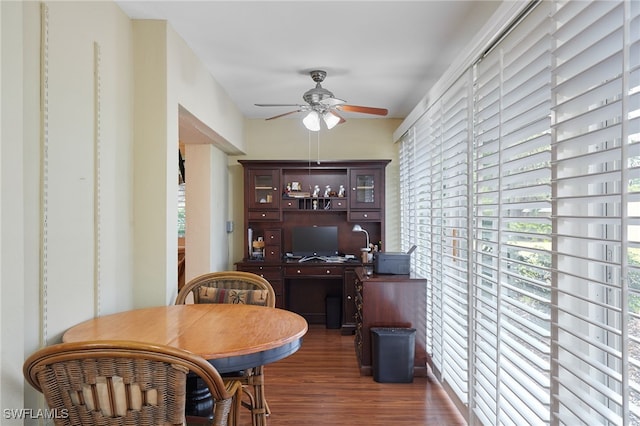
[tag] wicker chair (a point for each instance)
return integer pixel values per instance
(124, 383)
(232, 284)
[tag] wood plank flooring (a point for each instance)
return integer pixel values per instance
(321, 385)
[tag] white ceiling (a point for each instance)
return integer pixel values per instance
(377, 53)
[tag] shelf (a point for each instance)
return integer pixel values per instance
(314, 198)
(316, 203)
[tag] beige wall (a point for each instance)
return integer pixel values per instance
(170, 83)
(89, 171)
(287, 139)
(12, 211)
(70, 252)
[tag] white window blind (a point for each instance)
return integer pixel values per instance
(428, 147)
(454, 225)
(596, 185)
(408, 221)
(548, 230)
(434, 157)
(415, 225)
(511, 281)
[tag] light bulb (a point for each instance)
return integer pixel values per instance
(330, 119)
(312, 121)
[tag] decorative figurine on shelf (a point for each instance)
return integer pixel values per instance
(341, 191)
(316, 191)
(258, 249)
(288, 189)
(327, 191)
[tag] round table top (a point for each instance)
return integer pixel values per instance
(231, 336)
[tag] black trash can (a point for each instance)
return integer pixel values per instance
(333, 312)
(393, 351)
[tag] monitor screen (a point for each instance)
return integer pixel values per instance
(314, 240)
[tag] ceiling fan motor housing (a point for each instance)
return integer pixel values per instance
(318, 93)
(315, 95)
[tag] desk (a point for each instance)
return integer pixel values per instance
(303, 286)
(232, 337)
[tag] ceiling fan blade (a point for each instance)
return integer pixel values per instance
(282, 115)
(331, 102)
(363, 109)
(278, 105)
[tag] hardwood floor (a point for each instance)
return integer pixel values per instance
(321, 385)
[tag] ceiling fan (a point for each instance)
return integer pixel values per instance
(322, 104)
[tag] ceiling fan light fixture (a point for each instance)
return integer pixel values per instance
(331, 120)
(321, 103)
(312, 121)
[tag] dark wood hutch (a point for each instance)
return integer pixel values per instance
(278, 196)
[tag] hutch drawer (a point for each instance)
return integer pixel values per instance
(363, 216)
(272, 253)
(264, 215)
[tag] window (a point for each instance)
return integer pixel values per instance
(521, 188)
(596, 127)
(181, 211)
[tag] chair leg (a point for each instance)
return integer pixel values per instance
(255, 400)
(260, 408)
(234, 415)
(259, 389)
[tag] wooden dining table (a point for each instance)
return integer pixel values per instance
(232, 337)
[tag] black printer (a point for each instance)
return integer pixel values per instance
(393, 263)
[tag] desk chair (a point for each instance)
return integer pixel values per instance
(119, 382)
(235, 287)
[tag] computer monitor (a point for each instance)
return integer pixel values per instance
(314, 241)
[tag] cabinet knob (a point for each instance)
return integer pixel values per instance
(275, 189)
(328, 271)
(264, 214)
(298, 271)
(365, 215)
(349, 297)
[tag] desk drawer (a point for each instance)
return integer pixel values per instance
(268, 272)
(316, 271)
